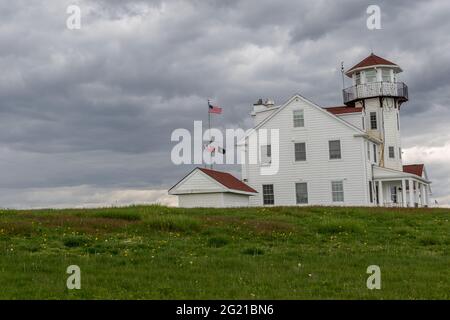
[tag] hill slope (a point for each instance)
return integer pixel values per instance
(156, 252)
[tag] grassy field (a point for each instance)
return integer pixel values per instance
(154, 252)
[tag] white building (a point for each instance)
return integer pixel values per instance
(348, 155)
(210, 188)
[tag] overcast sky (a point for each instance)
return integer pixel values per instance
(86, 115)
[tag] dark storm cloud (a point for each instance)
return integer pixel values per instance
(97, 106)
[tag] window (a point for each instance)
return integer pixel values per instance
(268, 196)
(335, 149)
(373, 121)
(398, 123)
(362, 122)
(337, 190)
(371, 75)
(374, 153)
(301, 192)
(391, 152)
(370, 192)
(386, 75)
(394, 194)
(299, 119)
(358, 78)
(400, 153)
(368, 150)
(266, 153)
(300, 151)
(269, 151)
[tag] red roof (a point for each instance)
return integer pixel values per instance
(342, 109)
(228, 180)
(416, 169)
(372, 60)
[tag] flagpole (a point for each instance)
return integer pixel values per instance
(209, 127)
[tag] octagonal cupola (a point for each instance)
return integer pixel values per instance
(374, 77)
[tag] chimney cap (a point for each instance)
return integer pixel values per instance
(259, 102)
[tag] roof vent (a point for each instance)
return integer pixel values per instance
(269, 103)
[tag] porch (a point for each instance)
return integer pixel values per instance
(394, 188)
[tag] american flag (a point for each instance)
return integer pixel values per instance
(212, 148)
(214, 109)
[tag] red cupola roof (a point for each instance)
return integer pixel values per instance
(371, 61)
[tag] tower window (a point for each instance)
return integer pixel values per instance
(374, 153)
(368, 150)
(358, 78)
(386, 75)
(371, 76)
(299, 119)
(373, 121)
(400, 153)
(391, 152)
(398, 122)
(335, 149)
(268, 195)
(300, 151)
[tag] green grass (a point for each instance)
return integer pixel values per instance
(155, 252)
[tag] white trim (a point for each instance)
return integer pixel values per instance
(398, 175)
(351, 71)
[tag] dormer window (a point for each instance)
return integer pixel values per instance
(371, 75)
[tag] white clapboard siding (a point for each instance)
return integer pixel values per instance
(318, 171)
(355, 118)
(262, 114)
(197, 200)
(235, 200)
(387, 128)
(198, 181)
(213, 200)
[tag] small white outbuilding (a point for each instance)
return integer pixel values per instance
(210, 188)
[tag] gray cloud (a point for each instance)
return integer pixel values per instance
(96, 107)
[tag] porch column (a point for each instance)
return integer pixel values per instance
(411, 193)
(422, 194)
(380, 193)
(427, 199)
(418, 193)
(404, 202)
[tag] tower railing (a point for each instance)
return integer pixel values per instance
(376, 89)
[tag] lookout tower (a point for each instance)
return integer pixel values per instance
(375, 88)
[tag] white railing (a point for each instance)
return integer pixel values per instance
(376, 89)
